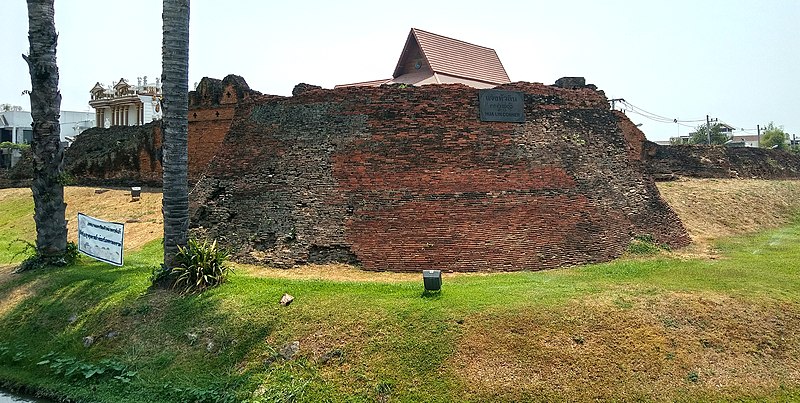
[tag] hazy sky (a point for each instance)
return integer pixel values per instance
(736, 60)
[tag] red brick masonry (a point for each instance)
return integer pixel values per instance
(408, 178)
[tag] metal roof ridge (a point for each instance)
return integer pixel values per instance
(452, 39)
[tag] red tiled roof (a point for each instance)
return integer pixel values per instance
(456, 58)
(372, 83)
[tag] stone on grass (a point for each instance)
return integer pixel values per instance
(289, 350)
(286, 299)
(88, 341)
(335, 353)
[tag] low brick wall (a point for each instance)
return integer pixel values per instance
(701, 161)
(117, 156)
(408, 178)
(20, 175)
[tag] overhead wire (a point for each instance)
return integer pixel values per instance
(629, 107)
(656, 117)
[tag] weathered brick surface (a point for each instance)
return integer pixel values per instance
(721, 162)
(117, 156)
(127, 156)
(20, 175)
(408, 178)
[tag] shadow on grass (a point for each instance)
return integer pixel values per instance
(428, 294)
(93, 312)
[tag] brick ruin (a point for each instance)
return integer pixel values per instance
(131, 155)
(408, 178)
(702, 161)
(117, 156)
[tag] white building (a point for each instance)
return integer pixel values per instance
(126, 105)
(15, 127)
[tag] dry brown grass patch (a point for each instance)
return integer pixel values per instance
(143, 219)
(14, 193)
(328, 272)
(14, 297)
(596, 350)
(714, 208)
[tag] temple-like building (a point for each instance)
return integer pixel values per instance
(126, 105)
(429, 58)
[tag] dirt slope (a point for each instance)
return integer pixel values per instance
(715, 208)
(143, 221)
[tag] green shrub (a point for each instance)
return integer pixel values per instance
(199, 266)
(38, 261)
(644, 245)
(15, 146)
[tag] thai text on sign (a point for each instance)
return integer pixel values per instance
(100, 239)
(502, 106)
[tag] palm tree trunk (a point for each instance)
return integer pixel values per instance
(175, 126)
(48, 153)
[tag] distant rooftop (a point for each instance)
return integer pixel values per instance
(428, 58)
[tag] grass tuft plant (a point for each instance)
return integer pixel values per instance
(198, 267)
(644, 245)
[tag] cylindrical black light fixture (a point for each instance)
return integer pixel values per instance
(432, 280)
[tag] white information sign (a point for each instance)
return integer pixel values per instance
(100, 239)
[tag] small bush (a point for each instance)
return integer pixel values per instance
(693, 377)
(644, 245)
(199, 266)
(38, 261)
(15, 146)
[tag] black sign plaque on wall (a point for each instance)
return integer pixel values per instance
(502, 106)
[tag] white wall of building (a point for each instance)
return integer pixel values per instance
(150, 113)
(19, 123)
(74, 123)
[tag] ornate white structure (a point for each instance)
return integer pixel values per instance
(126, 105)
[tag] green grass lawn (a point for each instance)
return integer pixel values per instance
(16, 223)
(658, 328)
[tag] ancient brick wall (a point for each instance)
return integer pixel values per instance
(21, 174)
(130, 156)
(211, 110)
(408, 178)
(117, 156)
(701, 161)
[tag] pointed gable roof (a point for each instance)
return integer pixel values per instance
(122, 83)
(97, 88)
(452, 57)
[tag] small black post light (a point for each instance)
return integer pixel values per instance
(432, 280)
(136, 193)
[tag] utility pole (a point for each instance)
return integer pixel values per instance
(614, 101)
(758, 129)
(708, 128)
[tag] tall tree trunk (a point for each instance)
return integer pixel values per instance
(48, 153)
(175, 126)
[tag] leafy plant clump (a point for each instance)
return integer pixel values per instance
(644, 245)
(15, 146)
(198, 267)
(38, 260)
(72, 368)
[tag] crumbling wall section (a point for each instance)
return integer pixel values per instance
(117, 156)
(211, 109)
(700, 161)
(408, 178)
(21, 174)
(131, 155)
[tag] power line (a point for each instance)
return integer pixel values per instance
(653, 116)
